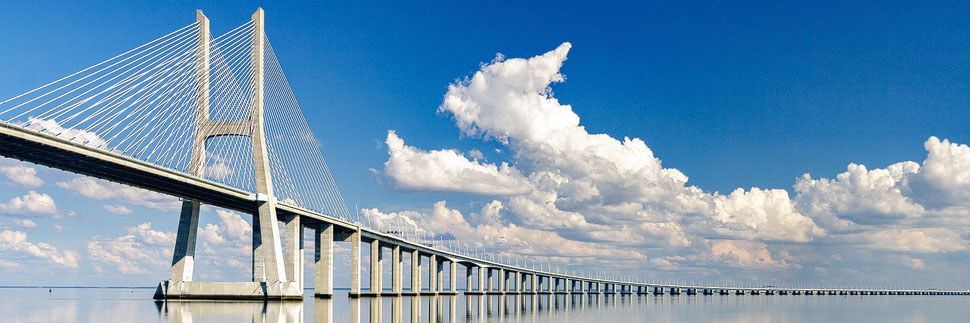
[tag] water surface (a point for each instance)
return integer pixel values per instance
(136, 305)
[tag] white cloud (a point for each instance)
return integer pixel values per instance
(231, 237)
(32, 203)
(594, 189)
(27, 223)
(132, 253)
(743, 253)
(146, 250)
(859, 195)
(447, 170)
(591, 184)
(944, 178)
(22, 174)
(217, 171)
(920, 240)
(52, 127)
(16, 242)
(103, 190)
(17, 223)
(762, 214)
(490, 234)
(117, 209)
(476, 154)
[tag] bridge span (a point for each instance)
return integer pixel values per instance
(174, 111)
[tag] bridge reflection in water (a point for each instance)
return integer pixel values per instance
(399, 309)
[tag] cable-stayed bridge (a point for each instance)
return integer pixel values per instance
(212, 120)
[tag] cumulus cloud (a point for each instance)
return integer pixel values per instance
(591, 184)
(144, 249)
(231, 237)
(15, 244)
(117, 209)
(743, 253)
(944, 178)
(130, 253)
(491, 234)
(103, 190)
(22, 174)
(52, 127)
(32, 203)
(765, 214)
(595, 189)
(921, 240)
(859, 195)
(447, 170)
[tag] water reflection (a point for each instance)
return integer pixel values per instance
(194, 311)
(510, 308)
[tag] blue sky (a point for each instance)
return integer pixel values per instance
(732, 95)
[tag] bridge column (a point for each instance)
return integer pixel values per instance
(535, 284)
(453, 272)
(294, 249)
(440, 275)
(482, 272)
(432, 273)
(183, 260)
(354, 263)
(376, 265)
(468, 277)
(501, 280)
(522, 278)
(396, 269)
(323, 260)
(489, 272)
(415, 271)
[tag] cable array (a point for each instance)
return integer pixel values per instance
(161, 100)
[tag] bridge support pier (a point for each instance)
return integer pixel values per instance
(415, 273)
(396, 271)
(323, 261)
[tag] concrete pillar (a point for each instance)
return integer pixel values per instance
(415, 271)
(453, 272)
(556, 283)
(482, 272)
(468, 277)
(490, 284)
(183, 260)
(535, 284)
(354, 262)
(582, 286)
(396, 270)
(501, 280)
(432, 273)
(440, 275)
(323, 260)
(376, 265)
(293, 237)
(521, 284)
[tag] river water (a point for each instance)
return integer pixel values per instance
(136, 305)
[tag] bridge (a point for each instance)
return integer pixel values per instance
(212, 120)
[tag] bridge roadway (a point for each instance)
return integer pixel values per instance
(45, 149)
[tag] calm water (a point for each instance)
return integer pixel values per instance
(125, 305)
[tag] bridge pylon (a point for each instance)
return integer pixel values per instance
(270, 270)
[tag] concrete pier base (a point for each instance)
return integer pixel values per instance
(228, 290)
